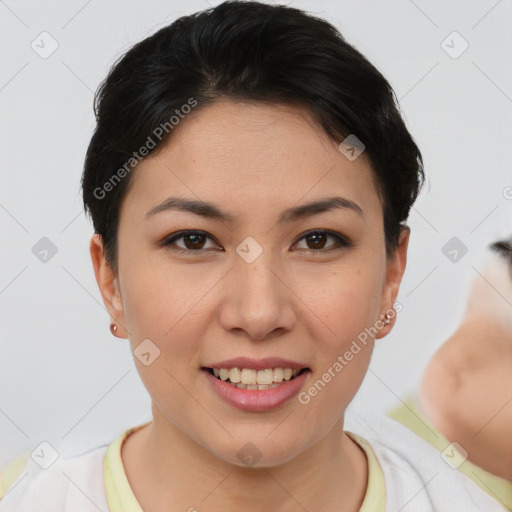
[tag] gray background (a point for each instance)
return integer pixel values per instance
(63, 377)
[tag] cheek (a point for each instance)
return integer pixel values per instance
(155, 292)
(347, 304)
(347, 301)
(345, 298)
(165, 307)
(172, 306)
(347, 348)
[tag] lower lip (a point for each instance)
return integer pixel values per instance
(257, 400)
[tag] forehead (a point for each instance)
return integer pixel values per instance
(251, 152)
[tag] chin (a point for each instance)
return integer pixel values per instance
(258, 454)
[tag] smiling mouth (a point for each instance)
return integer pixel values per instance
(248, 378)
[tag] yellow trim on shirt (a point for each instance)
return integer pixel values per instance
(375, 497)
(410, 415)
(11, 472)
(120, 497)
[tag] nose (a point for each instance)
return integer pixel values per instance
(257, 299)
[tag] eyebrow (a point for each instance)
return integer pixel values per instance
(211, 211)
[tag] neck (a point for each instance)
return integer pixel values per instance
(166, 468)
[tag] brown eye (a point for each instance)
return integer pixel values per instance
(193, 241)
(316, 241)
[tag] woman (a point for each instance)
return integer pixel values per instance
(249, 180)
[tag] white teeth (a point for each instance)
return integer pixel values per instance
(248, 378)
(278, 375)
(235, 375)
(265, 376)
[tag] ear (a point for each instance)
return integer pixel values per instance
(395, 269)
(108, 284)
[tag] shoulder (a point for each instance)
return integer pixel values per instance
(412, 415)
(69, 483)
(417, 476)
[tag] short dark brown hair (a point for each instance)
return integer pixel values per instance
(252, 51)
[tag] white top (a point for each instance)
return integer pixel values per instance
(406, 474)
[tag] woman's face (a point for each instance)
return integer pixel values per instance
(257, 284)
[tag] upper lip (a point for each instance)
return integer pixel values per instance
(258, 364)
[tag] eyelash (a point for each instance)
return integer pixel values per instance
(342, 242)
